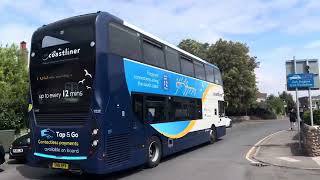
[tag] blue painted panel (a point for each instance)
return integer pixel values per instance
(148, 79)
(172, 128)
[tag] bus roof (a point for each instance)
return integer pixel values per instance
(93, 15)
(165, 43)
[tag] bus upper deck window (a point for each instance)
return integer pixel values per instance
(49, 41)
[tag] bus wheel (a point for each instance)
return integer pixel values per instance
(213, 135)
(154, 152)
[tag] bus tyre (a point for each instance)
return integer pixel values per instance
(154, 152)
(213, 135)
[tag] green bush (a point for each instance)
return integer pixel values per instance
(13, 88)
(262, 113)
(316, 117)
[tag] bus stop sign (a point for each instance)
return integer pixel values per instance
(300, 81)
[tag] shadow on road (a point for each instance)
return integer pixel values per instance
(47, 174)
(13, 161)
(295, 137)
(294, 147)
(175, 155)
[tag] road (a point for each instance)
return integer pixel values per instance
(223, 160)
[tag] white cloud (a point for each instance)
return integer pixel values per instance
(15, 33)
(271, 74)
(313, 45)
(202, 20)
(303, 25)
(172, 21)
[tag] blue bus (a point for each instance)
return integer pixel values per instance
(107, 96)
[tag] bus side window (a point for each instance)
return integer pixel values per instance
(150, 115)
(217, 76)
(187, 67)
(124, 42)
(137, 102)
(172, 60)
(182, 108)
(221, 108)
(153, 53)
(199, 70)
(158, 109)
(209, 73)
(155, 109)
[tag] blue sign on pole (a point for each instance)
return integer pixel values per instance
(300, 81)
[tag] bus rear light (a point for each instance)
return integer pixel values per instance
(95, 143)
(95, 131)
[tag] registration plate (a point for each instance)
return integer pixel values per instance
(17, 150)
(60, 165)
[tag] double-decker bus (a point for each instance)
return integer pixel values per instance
(107, 96)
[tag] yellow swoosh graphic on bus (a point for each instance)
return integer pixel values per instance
(204, 96)
(191, 124)
(183, 133)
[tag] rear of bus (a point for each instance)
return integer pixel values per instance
(64, 131)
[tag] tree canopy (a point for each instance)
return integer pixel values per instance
(288, 100)
(275, 104)
(237, 69)
(13, 88)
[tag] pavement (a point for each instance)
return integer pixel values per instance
(224, 160)
(282, 149)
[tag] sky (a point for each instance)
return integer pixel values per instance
(274, 30)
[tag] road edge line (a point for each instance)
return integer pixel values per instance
(254, 149)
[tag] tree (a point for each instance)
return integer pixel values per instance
(275, 104)
(288, 100)
(195, 47)
(237, 68)
(13, 88)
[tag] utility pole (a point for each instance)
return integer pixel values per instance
(297, 103)
(309, 93)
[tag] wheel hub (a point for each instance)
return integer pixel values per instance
(153, 152)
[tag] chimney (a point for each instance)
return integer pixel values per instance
(23, 45)
(24, 51)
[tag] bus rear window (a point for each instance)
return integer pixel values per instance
(55, 43)
(73, 34)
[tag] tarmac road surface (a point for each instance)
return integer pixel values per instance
(223, 160)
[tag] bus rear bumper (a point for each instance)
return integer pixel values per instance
(92, 165)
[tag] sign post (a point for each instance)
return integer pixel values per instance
(310, 104)
(302, 75)
(297, 103)
(310, 97)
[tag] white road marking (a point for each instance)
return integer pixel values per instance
(257, 146)
(288, 159)
(316, 159)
